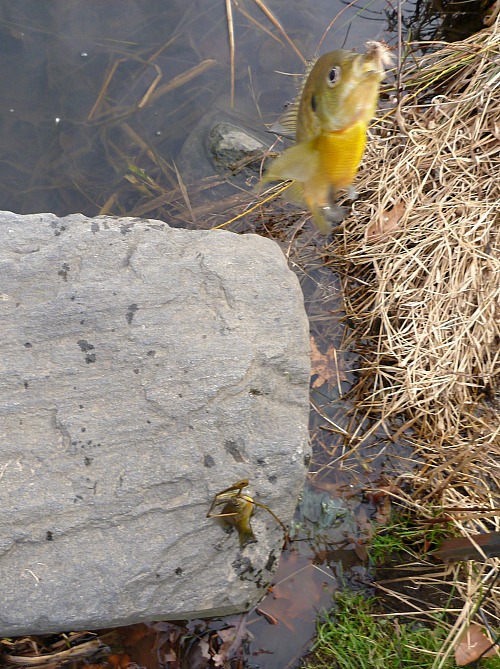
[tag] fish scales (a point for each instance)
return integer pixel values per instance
(340, 154)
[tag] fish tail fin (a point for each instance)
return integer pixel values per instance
(295, 194)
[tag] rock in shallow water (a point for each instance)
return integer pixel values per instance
(144, 369)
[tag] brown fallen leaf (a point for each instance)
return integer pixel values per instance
(474, 644)
(267, 616)
(231, 647)
(325, 366)
(297, 593)
(387, 222)
(119, 661)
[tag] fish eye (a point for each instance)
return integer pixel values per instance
(333, 76)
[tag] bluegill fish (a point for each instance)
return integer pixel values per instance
(330, 118)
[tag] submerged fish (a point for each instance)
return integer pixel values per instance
(330, 118)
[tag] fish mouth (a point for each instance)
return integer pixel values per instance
(367, 66)
(372, 67)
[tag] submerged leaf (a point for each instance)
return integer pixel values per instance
(325, 366)
(473, 645)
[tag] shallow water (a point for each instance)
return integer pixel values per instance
(73, 75)
(86, 103)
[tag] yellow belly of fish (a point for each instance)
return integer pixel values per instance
(340, 154)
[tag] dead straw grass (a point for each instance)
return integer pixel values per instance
(423, 297)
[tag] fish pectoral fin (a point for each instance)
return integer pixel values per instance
(299, 162)
(294, 193)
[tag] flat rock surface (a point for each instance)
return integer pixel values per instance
(143, 369)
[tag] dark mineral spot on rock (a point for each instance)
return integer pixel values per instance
(131, 312)
(28, 345)
(26, 384)
(243, 565)
(270, 562)
(209, 461)
(49, 536)
(273, 478)
(57, 228)
(85, 347)
(126, 228)
(256, 392)
(179, 571)
(151, 354)
(95, 227)
(87, 461)
(63, 272)
(233, 450)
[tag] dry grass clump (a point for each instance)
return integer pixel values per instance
(421, 261)
(424, 292)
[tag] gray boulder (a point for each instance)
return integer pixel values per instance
(143, 369)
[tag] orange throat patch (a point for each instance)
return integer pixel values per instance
(340, 154)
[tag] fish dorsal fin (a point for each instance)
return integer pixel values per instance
(286, 125)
